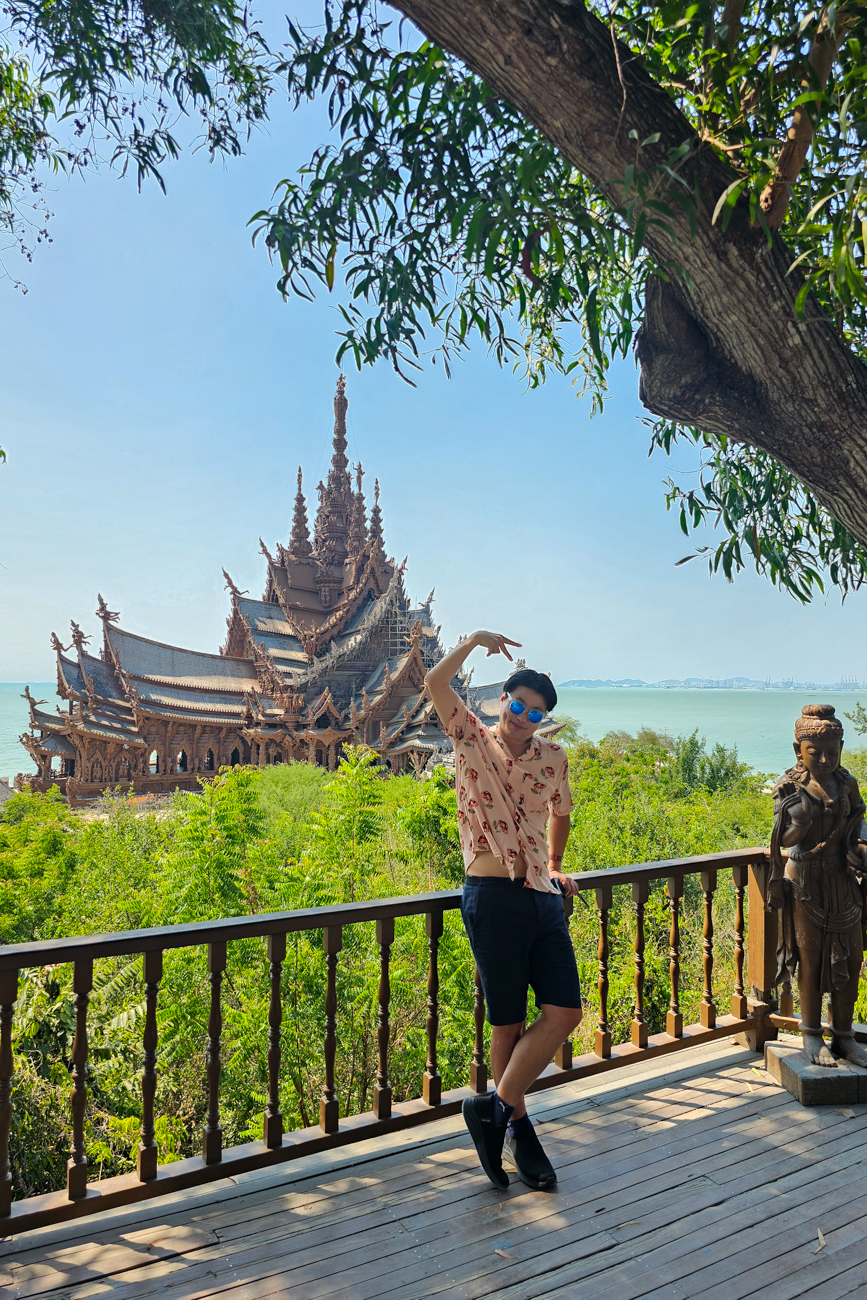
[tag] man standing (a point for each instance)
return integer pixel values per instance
(510, 782)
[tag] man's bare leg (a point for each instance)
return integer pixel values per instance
(531, 1052)
(503, 1041)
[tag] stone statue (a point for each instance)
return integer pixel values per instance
(817, 881)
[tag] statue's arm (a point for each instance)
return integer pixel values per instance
(794, 815)
(793, 835)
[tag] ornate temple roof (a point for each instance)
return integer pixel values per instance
(190, 669)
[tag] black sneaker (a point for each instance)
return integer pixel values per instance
(488, 1137)
(524, 1151)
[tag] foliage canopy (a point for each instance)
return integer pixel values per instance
(82, 80)
(445, 216)
(448, 216)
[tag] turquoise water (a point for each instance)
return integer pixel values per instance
(760, 723)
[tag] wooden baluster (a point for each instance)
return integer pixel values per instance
(152, 970)
(707, 1010)
(602, 1046)
(432, 1084)
(332, 941)
(674, 1020)
(563, 1054)
(272, 1120)
(382, 1089)
(639, 1031)
(787, 1004)
(478, 1068)
(8, 998)
(76, 1166)
(212, 1138)
(739, 1000)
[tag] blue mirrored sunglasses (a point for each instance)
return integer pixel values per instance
(533, 715)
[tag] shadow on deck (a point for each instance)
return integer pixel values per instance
(687, 1177)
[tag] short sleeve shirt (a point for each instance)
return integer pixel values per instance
(504, 802)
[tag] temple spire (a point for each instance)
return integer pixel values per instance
(333, 517)
(358, 526)
(338, 477)
(299, 542)
(376, 518)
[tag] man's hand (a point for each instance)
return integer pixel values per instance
(438, 679)
(494, 643)
(566, 883)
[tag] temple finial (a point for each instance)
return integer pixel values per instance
(376, 518)
(230, 586)
(102, 610)
(79, 640)
(299, 542)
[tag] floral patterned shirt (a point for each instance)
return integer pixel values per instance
(504, 802)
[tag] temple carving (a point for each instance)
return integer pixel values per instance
(333, 654)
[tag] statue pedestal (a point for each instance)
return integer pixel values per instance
(815, 1085)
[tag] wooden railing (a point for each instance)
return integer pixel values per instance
(749, 1016)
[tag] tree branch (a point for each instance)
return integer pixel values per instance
(823, 51)
(751, 368)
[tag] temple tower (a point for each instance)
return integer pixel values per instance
(299, 542)
(376, 519)
(333, 654)
(358, 526)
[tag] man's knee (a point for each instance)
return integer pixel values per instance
(564, 1018)
(508, 1033)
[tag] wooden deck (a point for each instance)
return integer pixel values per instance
(685, 1176)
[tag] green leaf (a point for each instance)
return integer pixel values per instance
(329, 265)
(728, 198)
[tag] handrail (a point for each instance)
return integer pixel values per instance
(44, 952)
(88, 947)
(749, 1017)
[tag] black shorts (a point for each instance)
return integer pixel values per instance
(520, 940)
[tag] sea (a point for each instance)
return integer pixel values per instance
(760, 723)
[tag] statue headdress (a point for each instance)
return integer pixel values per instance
(818, 720)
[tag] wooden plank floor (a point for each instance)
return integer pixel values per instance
(687, 1176)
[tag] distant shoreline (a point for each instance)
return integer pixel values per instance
(697, 684)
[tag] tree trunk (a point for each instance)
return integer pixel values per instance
(730, 357)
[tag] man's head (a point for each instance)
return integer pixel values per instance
(535, 691)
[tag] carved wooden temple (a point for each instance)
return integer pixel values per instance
(333, 653)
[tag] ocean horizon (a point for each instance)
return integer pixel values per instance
(759, 722)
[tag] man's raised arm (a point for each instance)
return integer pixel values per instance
(439, 677)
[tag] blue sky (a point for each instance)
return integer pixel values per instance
(158, 396)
